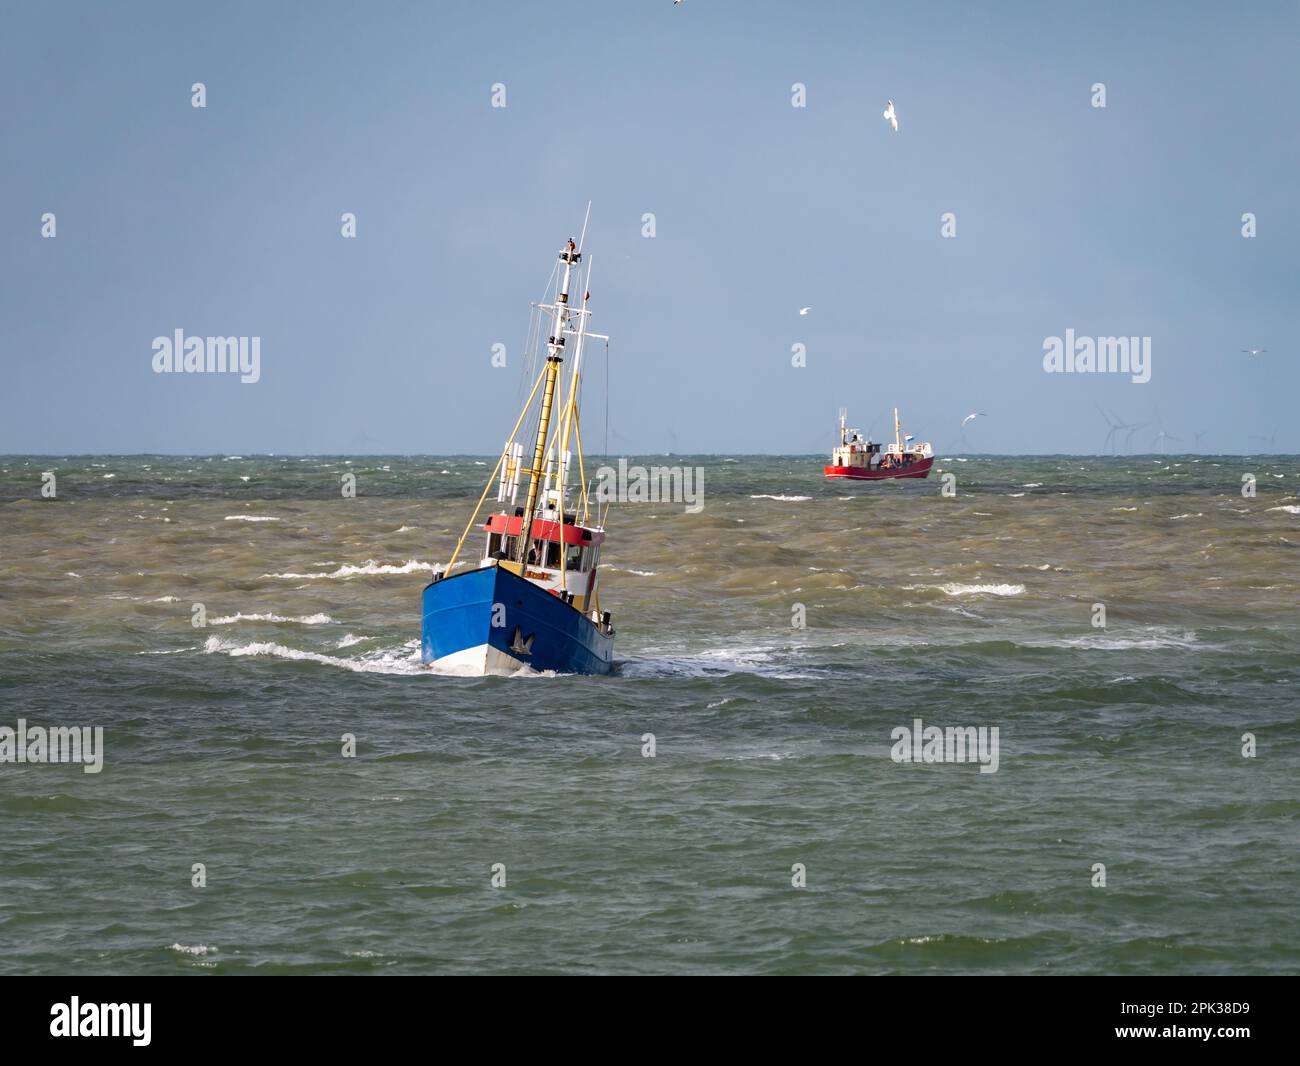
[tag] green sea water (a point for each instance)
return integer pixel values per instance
(1120, 746)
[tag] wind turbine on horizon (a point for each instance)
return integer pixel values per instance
(1128, 440)
(1161, 438)
(1270, 440)
(1116, 425)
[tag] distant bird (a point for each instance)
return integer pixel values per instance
(804, 310)
(973, 414)
(1253, 351)
(890, 117)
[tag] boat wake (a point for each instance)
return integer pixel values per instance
(718, 662)
(404, 659)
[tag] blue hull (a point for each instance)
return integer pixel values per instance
(535, 628)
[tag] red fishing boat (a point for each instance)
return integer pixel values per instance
(862, 459)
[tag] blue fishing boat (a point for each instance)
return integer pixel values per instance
(531, 599)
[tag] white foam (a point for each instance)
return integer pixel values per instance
(784, 499)
(1289, 508)
(1154, 641)
(711, 663)
(250, 518)
(194, 949)
(402, 660)
(953, 589)
(369, 567)
(303, 620)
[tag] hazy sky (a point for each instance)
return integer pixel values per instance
(1123, 220)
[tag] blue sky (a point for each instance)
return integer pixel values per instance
(225, 220)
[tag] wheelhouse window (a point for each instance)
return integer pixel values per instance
(500, 546)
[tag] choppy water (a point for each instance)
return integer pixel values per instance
(1119, 746)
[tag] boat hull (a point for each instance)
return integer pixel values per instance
(534, 628)
(921, 468)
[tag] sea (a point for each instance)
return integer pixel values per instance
(283, 787)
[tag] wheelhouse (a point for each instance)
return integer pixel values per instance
(562, 556)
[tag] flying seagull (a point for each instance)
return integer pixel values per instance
(804, 310)
(1253, 351)
(890, 117)
(973, 414)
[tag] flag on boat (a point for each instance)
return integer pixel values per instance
(908, 437)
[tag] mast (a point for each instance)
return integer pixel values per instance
(510, 465)
(555, 356)
(898, 441)
(844, 413)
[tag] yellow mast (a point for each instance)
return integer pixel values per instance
(898, 441)
(539, 451)
(569, 257)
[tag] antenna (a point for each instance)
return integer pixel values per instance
(583, 239)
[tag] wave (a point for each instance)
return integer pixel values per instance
(193, 949)
(369, 567)
(955, 589)
(251, 518)
(302, 620)
(715, 662)
(1100, 643)
(402, 660)
(784, 499)
(1289, 508)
